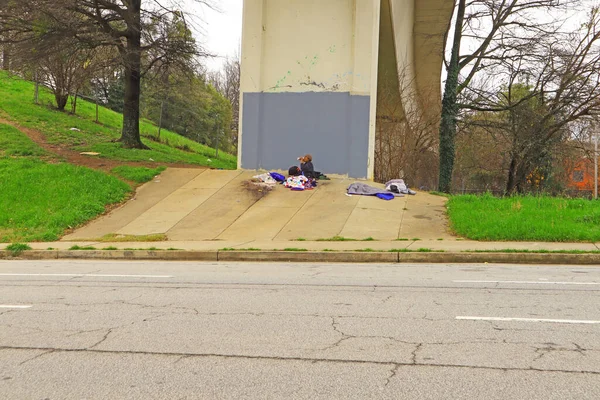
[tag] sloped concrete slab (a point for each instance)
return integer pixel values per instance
(425, 218)
(265, 219)
(172, 209)
(211, 205)
(324, 214)
(215, 215)
(375, 218)
(146, 197)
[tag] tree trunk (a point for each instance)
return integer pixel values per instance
(6, 57)
(511, 183)
(450, 108)
(130, 135)
(61, 100)
(74, 105)
(36, 92)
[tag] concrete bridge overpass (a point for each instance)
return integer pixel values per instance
(312, 71)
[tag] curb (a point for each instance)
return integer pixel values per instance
(308, 257)
(142, 255)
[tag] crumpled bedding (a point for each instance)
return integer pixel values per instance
(398, 186)
(362, 189)
(266, 178)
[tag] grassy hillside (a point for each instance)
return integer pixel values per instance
(40, 198)
(16, 104)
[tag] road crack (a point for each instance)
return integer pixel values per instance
(37, 356)
(298, 359)
(393, 373)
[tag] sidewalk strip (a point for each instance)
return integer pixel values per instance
(532, 282)
(93, 275)
(555, 321)
(10, 306)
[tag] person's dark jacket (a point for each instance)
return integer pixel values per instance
(309, 170)
(307, 167)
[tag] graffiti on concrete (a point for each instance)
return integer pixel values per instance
(301, 76)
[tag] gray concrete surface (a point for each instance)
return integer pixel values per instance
(216, 206)
(160, 330)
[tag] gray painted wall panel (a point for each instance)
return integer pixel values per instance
(333, 127)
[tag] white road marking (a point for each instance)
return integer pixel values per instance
(9, 306)
(93, 275)
(555, 321)
(532, 282)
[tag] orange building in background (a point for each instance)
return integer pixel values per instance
(581, 176)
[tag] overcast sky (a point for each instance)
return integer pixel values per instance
(219, 31)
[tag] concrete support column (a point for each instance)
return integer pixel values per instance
(309, 84)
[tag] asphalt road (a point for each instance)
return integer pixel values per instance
(141, 330)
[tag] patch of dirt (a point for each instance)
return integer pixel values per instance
(94, 162)
(257, 188)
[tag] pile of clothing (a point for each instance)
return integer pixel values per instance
(296, 183)
(300, 182)
(393, 188)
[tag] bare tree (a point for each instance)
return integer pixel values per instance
(227, 82)
(139, 31)
(66, 70)
(405, 142)
(486, 33)
(547, 91)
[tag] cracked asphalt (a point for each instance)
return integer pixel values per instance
(297, 331)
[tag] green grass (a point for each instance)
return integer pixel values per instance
(39, 201)
(17, 248)
(421, 250)
(336, 239)
(77, 247)
(137, 174)
(114, 238)
(525, 218)
(232, 249)
(16, 103)
(518, 251)
(294, 249)
(13, 143)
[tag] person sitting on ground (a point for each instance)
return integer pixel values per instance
(306, 166)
